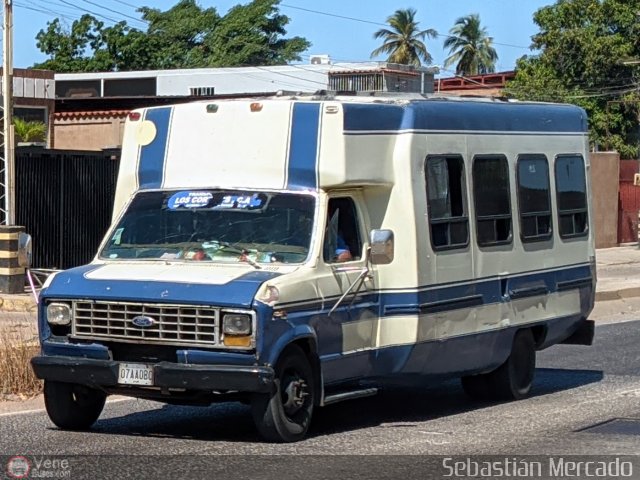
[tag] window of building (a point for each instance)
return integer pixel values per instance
(446, 199)
(342, 241)
(492, 200)
(534, 199)
(77, 88)
(130, 87)
(202, 91)
(571, 186)
(31, 114)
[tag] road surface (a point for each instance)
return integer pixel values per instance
(575, 388)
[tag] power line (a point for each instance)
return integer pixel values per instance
(60, 9)
(291, 76)
(88, 11)
(385, 24)
(46, 12)
(117, 12)
(127, 4)
(335, 15)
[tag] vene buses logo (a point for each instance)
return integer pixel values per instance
(18, 467)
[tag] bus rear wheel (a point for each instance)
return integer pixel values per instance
(510, 381)
(285, 414)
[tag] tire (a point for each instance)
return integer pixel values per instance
(476, 387)
(285, 414)
(71, 406)
(512, 380)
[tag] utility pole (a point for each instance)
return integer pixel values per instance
(12, 268)
(8, 205)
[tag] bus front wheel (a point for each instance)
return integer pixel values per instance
(285, 414)
(71, 406)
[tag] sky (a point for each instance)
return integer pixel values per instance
(509, 22)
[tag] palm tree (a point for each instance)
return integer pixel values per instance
(25, 131)
(470, 48)
(404, 42)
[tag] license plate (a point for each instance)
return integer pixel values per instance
(135, 374)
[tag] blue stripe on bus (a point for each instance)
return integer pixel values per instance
(438, 297)
(303, 146)
(447, 115)
(152, 156)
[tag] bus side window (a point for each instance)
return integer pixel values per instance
(571, 186)
(534, 199)
(446, 199)
(492, 199)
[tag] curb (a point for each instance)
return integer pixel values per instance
(618, 294)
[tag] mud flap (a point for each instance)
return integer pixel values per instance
(583, 335)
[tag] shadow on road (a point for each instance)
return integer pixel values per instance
(233, 423)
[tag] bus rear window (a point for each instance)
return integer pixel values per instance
(571, 186)
(533, 197)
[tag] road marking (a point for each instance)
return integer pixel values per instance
(38, 410)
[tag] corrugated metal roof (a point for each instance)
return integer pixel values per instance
(374, 70)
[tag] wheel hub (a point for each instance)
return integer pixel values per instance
(295, 393)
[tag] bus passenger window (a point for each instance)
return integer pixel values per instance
(571, 188)
(534, 199)
(448, 221)
(492, 200)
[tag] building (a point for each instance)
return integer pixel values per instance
(488, 85)
(92, 107)
(34, 95)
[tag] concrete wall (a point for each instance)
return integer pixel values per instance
(87, 133)
(605, 173)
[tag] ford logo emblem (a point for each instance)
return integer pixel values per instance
(143, 321)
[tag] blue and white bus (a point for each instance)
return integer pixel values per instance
(293, 252)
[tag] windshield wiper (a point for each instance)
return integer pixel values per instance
(243, 252)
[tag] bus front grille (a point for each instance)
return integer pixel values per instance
(146, 323)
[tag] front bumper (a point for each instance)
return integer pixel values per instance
(104, 373)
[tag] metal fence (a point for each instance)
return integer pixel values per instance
(64, 199)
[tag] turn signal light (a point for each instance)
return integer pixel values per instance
(255, 107)
(237, 341)
(135, 116)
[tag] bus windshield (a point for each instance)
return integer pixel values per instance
(216, 226)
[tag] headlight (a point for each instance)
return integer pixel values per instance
(58, 314)
(236, 324)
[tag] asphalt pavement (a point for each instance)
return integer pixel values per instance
(577, 391)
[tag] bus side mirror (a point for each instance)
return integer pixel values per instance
(25, 248)
(381, 247)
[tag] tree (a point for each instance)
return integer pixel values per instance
(252, 34)
(29, 131)
(68, 49)
(583, 46)
(184, 36)
(178, 36)
(470, 48)
(404, 42)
